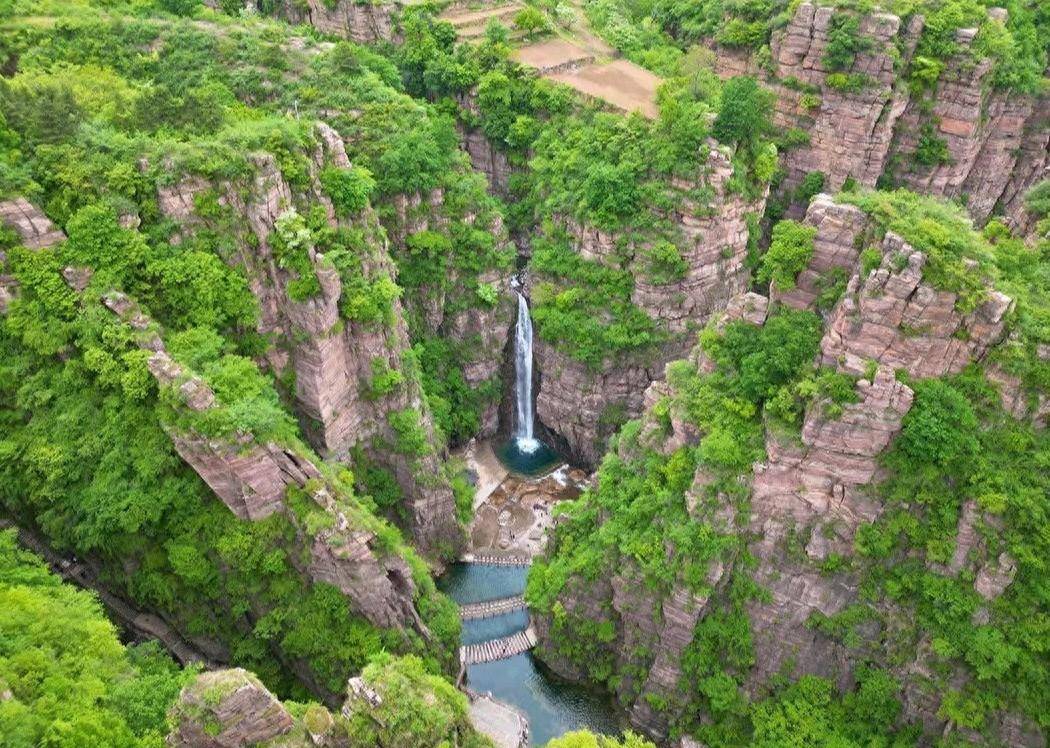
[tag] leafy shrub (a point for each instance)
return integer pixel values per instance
(349, 189)
(789, 252)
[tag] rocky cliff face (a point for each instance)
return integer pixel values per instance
(334, 359)
(584, 405)
(448, 307)
(808, 498)
(254, 478)
(228, 709)
(849, 131)
(896, 319)
(866, 121)
(358, 22)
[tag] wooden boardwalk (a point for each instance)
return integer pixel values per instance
(490, 608)
(498, 649)
(471, 558)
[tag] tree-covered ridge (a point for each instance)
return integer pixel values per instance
(198, 97)
(950, 575)
(66, 680)
(659, 34)
(65, 677)
(599, 171)
(136, 105)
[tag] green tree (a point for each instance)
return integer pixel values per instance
(789, 252)
(744, 115)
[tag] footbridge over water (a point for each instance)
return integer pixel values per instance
(498, 649)
(505, 646)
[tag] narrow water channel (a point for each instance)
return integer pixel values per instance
(553, 706)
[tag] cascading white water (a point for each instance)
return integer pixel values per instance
(523, 436)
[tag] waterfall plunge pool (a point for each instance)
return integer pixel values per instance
(541, 460)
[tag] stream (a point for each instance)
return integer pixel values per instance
(553, 706)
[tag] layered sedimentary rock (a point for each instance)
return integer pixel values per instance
(227, 709)
(870, 123)
(895, 318)
(35, 229)
(986, 134)
(808, 497)
(849, 131)
(841, 229)
(1031, 166)
(333, 359)
(253, 479)
(584, 405)
(813, 493)
(359, 22)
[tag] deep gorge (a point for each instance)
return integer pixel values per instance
(706, 344)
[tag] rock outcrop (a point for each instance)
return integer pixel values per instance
(447, 307)
(359, 22)
(334, 359)
(227, 709)
(583, 405)
(813, 494)
(808, 497)
(253, 479)
(841, 230)
(850, 131)
(34, 228)
(895, 318)
(891, 316)
(866, 121)
(983, 131)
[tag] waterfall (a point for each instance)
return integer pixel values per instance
(523, 436)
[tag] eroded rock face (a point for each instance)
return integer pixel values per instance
(227, 709)
(1031, 166)
(836, 249)
(808, 499)
(358, 22)
(997, 141)
(33, 227)
(253, 479)
(850, 131)
(479, 331)
(584, 405)
(986, 132)
(809, 496)
(334, 359)
(895, 318)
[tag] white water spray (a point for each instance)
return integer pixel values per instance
(523, 436)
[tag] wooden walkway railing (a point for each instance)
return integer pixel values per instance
(498, 649)
(471, 558)
(490, 608)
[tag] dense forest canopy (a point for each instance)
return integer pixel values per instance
(230, 194)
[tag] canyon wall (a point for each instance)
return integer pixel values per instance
(585, 404)
(334, 359)
(868, 121)
(333, 539)
(807, 500)
(253, 479)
